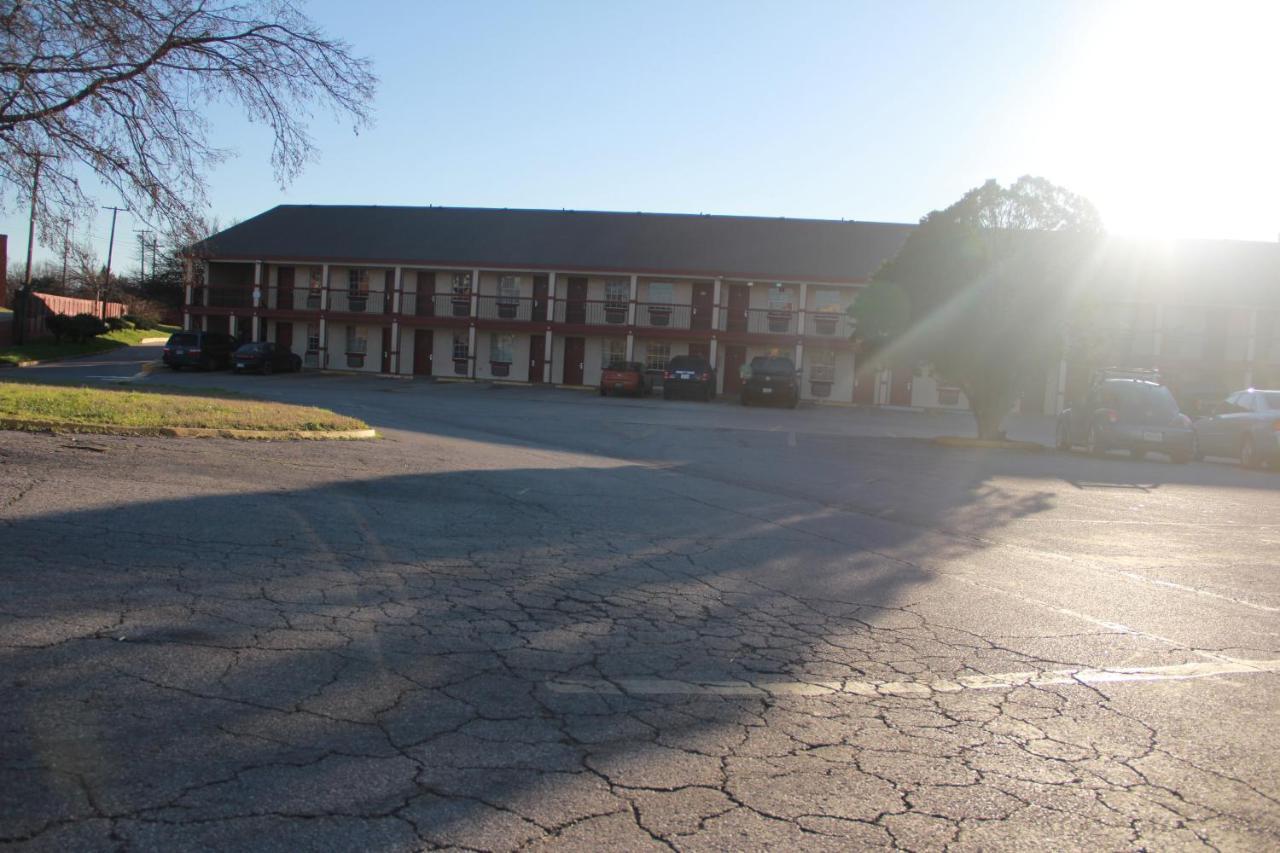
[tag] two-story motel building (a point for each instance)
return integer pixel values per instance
(545, 296)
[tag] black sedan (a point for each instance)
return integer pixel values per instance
(772, 379)
(689, 376)
(264, 357)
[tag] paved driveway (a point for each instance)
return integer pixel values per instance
(535, 618)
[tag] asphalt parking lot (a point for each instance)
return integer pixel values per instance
(534, 618)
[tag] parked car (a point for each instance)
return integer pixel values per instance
(689, 375)
(624, 376)
(771, 379)
(1138, 415)
(265, 357)
(206, 350)
(1244, 426)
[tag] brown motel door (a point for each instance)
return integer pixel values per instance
(539, 300)
(864, 388)
(900, 387)
(734, 358)
(702, 305)
(284, 336)
(284, 285)
(575, 309)
(423, 343)
(575, 354)
(536, 356)
(386, 349)
(739, 300)
(425, 300)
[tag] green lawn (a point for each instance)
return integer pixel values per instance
(47, 348)
(164, 407)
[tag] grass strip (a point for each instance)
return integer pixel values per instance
(162, 408)
(47, 349)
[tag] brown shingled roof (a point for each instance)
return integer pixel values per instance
(662, 243)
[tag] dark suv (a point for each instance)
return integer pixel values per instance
(206, 350)
(773, 378)
(689, 375)
(1134, 414)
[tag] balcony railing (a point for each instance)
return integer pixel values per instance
(506, 307)
(583, 312)
(227, 296)
(828, 324)
(760, 321)
(294, 299)
(359, 302)
(450, 305)
(663, 316)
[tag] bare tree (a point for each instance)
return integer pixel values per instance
(119, 87)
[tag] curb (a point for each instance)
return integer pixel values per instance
(32, 425)
(959, 441)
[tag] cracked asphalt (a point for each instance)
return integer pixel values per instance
(533, 619)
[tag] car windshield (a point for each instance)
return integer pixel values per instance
(252, 348)
(624, 366)
(1140, 397)
(1271, 399)
(769, 364)
(184, 340)
(687, 362)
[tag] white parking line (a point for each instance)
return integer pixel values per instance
(999, 681)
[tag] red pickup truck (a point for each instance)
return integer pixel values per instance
(624, 376)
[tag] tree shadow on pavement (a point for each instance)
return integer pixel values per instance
(482, 658)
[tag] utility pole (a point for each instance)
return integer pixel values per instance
(142, 253)
(20, 330)
(106, 282)
(66, 250)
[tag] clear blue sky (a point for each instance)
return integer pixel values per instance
(872, 111)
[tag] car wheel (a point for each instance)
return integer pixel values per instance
(666, 395)
(795, 400)
(267, 368)
(297, 364)
(1249, 453)
(1196, 453)
(1135, 453)
(1063, 438)
(707, 395)
(1181, 458)
(175, 367)
(742, 398)
(1096, 447)
(208, 366)
(603, 393)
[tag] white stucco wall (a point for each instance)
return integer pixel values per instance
(842, 384)
(924, 394)
(519, 369)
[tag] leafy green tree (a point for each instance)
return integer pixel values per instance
(880, 313)
(990, 282)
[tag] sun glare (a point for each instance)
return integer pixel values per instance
(1163, 116)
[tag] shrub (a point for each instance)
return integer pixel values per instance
(144, 313)
(82, 327)
(57, 325)
(116, 324)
